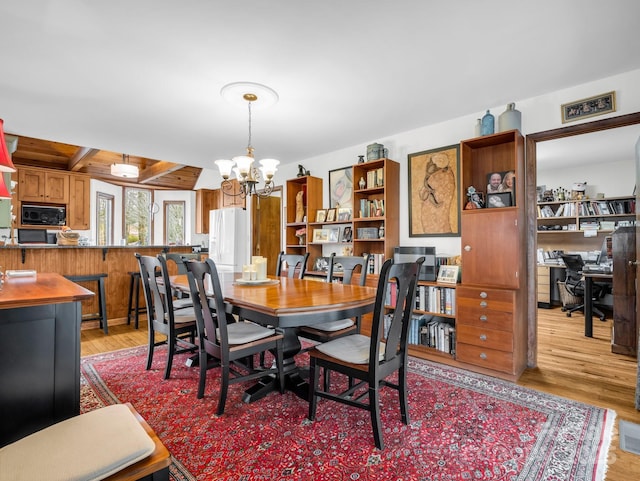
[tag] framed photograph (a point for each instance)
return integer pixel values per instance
(344, 213)
(434, 192)
(321, 264)
(589, 107)
(501, 181)
(320, 235)
(475, 200)
(347, 234)
(448, 274)
(334, 234)
(331, 215)
(321, 215)
(499, 199)
(340, 187)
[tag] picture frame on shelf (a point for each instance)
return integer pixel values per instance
(589, 107)
(331, 215)
(334, 234)
(321, 215)
(320, 235)
(321, 264)
(448, 274)
(344, 213)
(341, 187)
(499, 199)
(434, 192)
(347, 234)
(503, 181)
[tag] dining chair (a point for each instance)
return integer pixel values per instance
(371, 360)
(294, 262)
(177, 325)
(232, 344)
(326, 331)
(181, 299)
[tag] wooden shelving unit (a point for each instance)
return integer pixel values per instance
(311, 188)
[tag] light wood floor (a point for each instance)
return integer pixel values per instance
(569, 365)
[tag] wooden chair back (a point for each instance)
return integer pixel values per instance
(295, 262)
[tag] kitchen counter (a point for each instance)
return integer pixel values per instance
(115, 261)
(39, 353)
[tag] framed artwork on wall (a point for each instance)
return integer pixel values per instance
(434, 198)
(589, 107)
(341, 187)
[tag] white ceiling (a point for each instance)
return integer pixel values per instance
(144, 76)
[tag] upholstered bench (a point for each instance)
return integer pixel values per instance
(112, 443)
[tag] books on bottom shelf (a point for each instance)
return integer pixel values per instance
(429, 331)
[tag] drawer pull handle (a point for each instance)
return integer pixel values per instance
(483, 295)
(483, 304)
(483, 318)
(483, 337)
(467, 248)
(483, 355)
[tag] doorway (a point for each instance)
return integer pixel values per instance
(531, 182)
(266, 229)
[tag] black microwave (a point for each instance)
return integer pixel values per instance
(43, 215)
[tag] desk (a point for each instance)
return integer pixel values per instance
(288, 304)
(39, 353)
(589, 277)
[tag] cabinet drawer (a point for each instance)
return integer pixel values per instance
(487, 358)
(499, 299)
(483, 337)
(485, 318)
(487, 303)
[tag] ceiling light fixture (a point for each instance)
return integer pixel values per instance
(247, 174)
(125, 169)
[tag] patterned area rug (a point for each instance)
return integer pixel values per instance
(463, 426)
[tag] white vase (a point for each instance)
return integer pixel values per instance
(510, 119)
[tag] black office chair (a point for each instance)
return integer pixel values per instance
(574, 284)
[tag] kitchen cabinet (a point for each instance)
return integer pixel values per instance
(39, 185)
(206, 200)
(232, 197)
(78, 209)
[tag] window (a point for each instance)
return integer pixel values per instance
(174, 222)
(104, 219)
(137, 216)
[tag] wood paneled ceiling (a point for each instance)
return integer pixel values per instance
(155, 174)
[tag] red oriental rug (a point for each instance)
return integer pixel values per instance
(464, 426)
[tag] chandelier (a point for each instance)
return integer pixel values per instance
(247, 174)
(125, 169)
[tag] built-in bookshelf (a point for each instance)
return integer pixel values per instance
(308, 190)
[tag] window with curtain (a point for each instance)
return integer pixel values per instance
(137, 215)
(174, 231)
(104, 219)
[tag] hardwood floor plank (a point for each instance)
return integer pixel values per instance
(569, 365)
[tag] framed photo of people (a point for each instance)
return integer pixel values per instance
(434, 197)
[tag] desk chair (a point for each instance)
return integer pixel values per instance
(373, 359)
(574, 283)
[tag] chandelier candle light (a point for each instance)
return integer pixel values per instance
(247, 174)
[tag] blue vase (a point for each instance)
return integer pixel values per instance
(488, 124)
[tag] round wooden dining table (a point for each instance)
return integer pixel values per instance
(286, 304)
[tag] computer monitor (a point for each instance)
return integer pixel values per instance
(605, 251)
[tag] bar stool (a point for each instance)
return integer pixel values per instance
(102, 299)
(134, 292)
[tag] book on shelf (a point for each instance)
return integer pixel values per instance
(437, 334)
(375, 178)
(436, 299)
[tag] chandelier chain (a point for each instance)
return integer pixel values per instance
(249, 149)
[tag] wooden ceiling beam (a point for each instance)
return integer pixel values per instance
(157, 170)
(81, 158)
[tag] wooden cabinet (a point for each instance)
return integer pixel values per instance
(491, 321)
(624, 336)
(376, 205)
(37, 185)
(544, 286)
(232, 197)
(78, 211)
(206, 200)
(308, 190)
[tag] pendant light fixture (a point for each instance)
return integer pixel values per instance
(247, 174)
(125, 169)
